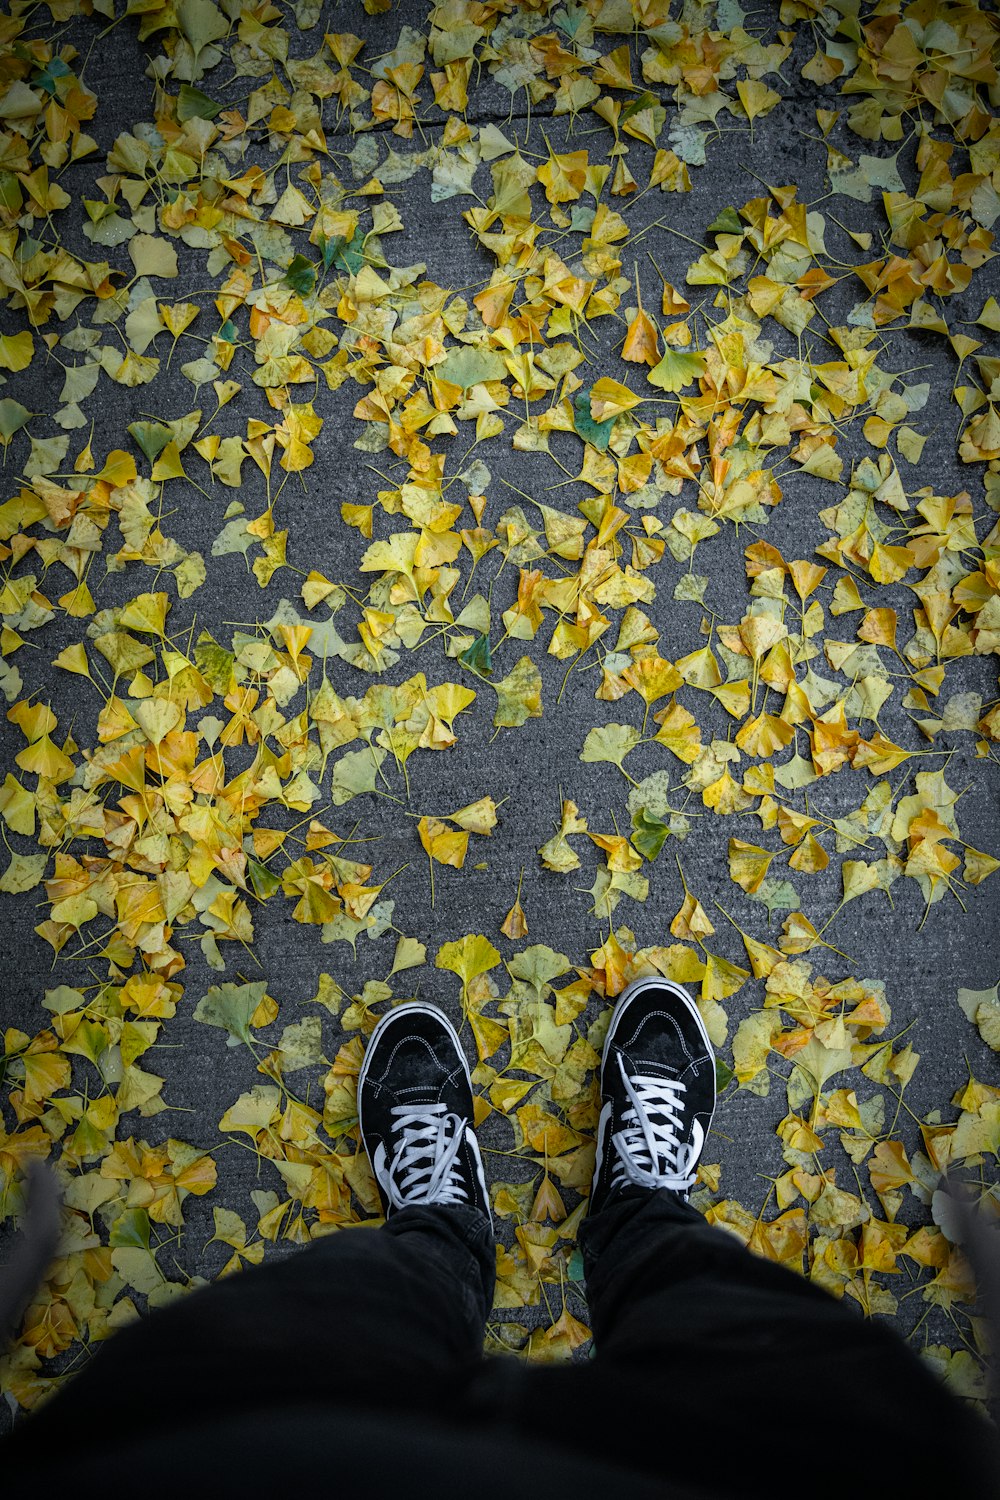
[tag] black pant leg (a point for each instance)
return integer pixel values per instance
(659, 1274)
(366, 1316)
(714, 1367)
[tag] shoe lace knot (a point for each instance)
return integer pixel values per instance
(650, 1151)
(425, 1167)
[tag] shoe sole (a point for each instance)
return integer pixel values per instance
(638, 987)
(410, 1008)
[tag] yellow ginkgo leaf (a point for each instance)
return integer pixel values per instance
(468, 957)
(478, 817)
(692, 922)
(652, 677)
(810, 857)
(879, 627)
(764, 735)
(679, 731)
(641, 340)
(563, 177)
(757, 99)
(515, 923)
(447, 845)
(45, 759)
(609, 398)
(748, 864)
(722, 978)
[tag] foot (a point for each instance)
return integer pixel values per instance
(657, 1091)
(415, 1112)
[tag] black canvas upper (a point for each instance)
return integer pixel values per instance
(414, 1058)
(655, 1032)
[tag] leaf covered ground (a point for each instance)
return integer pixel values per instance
(499, 498)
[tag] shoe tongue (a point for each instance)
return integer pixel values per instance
(417, 1090)
(648, 1068)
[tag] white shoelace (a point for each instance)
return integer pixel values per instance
(425, 1167)
(650, 1152)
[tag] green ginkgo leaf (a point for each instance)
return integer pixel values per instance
(13, 416)
(675, 370)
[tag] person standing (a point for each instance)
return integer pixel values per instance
(359, 1360)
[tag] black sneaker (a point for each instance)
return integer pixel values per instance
(658, 1092)
(415, 1112)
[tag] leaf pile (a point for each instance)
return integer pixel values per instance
(174, 790)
